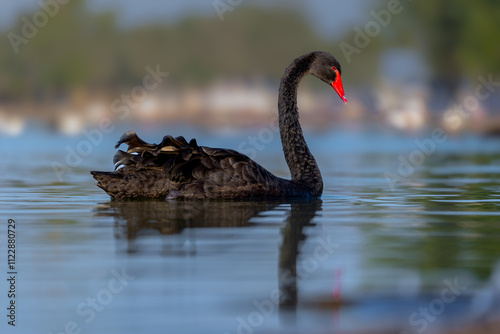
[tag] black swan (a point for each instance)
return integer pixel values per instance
(176, 169)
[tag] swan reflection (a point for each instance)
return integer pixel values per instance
(135, 219)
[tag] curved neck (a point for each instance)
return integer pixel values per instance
(303, 166)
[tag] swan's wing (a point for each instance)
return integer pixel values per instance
(185, 170)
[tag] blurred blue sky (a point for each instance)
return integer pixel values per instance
(330, 18)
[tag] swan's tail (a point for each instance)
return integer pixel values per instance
(146, 170)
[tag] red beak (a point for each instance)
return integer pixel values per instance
(337, 85)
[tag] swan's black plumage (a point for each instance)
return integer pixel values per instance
(178, 169)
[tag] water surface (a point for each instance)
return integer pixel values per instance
(366, 256)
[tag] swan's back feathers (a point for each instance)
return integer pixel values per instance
(176, 168)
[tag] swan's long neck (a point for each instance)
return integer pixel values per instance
(303, 166)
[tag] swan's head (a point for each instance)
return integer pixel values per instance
(327, 68)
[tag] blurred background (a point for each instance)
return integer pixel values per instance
(76, 74)
(66, 65)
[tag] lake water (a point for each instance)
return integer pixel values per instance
(416, 253)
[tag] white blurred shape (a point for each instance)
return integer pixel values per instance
(70, 123)
(149, 106)
(12, 125)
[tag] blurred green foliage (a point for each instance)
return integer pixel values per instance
(459, 37)
(78, 49)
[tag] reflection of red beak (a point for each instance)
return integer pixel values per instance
(337, 85)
